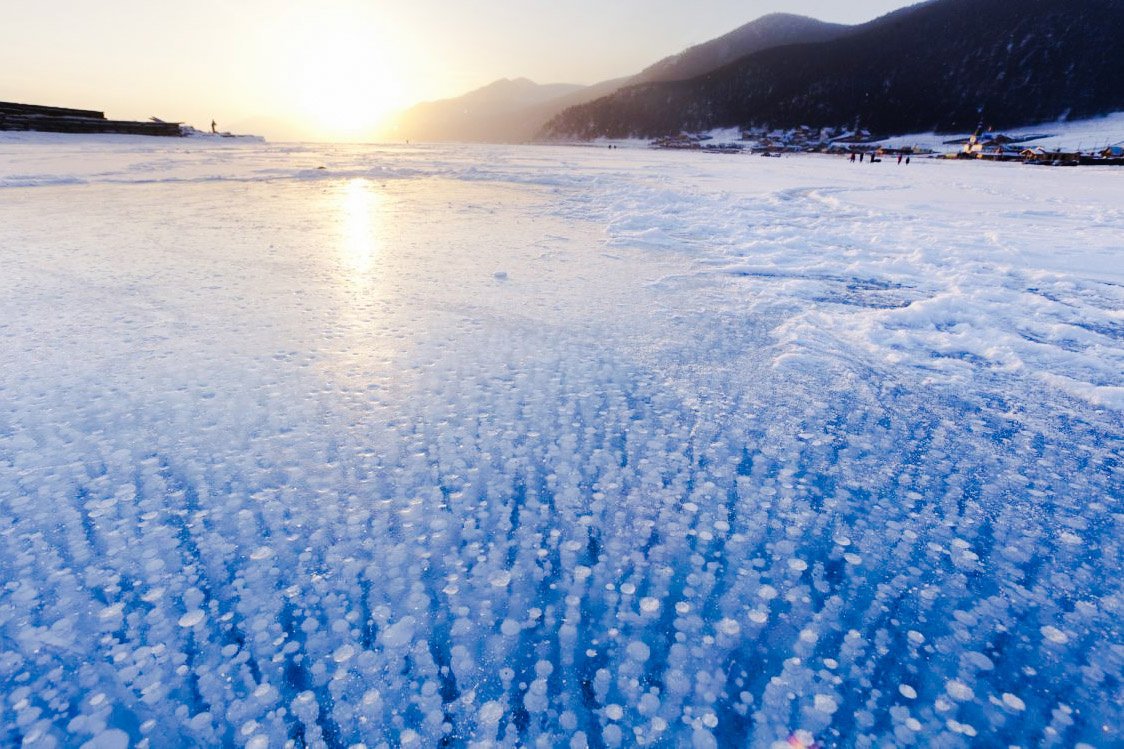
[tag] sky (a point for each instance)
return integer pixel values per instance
(333, 69)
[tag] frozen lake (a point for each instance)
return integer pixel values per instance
(425, 446)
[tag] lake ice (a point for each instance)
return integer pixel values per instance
(556, 447)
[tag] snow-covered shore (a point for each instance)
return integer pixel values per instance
(1077, 135)
(506, 446)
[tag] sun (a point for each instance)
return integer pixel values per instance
(346, 94)
(343, 76)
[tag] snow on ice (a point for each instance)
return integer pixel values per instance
(740, 452)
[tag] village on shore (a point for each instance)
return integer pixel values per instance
(985, 144)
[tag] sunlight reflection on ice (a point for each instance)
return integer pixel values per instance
(360, 206)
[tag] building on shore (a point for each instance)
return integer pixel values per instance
(32, 117)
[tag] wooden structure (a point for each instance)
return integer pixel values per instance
(62, 120)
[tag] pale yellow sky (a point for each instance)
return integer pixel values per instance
(332, 69)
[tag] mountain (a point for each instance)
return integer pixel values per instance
(489, 113)
(775, 30)
(517, 110)
(941, 65)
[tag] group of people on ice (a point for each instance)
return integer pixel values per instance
(874, 157)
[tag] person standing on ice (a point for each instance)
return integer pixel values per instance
(214, 126)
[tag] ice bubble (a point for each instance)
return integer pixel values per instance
(729, 627)
(758, 617)
(262, 552)
(112, 738)
(490, 713)
(703, 739)
(649, 704)
(343, 653)
(628, 588)
(581, 572)
(500, 275)
(191, 618)
(797, 565)
(1055, 635)
(853, 559)
(1013, 702)
(1071, 539)
(826, 704)
(510, 628)
(958, 690)
(639, 651)
(907, 691)
(802, 738)
(260, 741)
(915, 637)
(399, 634)
(614, 712)
(500, 579)
(152, 595)
(649, 605)
(264, 691)
(767, 592)
(305, 706)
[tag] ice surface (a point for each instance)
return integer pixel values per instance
(556, 447)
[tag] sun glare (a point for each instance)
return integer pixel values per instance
(359, 230)
(343, 77)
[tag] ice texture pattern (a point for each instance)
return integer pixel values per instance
(500, 446)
